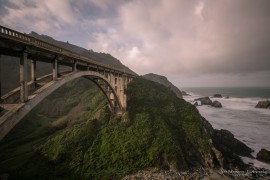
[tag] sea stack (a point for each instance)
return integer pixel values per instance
(263, 155)
(217, 96)
(216, 104)
(263, 104)
(204, 100)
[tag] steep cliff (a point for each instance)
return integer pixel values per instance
(80, 139)
(164, 81)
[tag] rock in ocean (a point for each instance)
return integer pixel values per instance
(263, 104)
(263, 155)
(216, 104)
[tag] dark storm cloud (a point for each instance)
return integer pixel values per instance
(200, 39)
(242, 29)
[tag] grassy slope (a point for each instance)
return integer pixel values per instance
(101, 145)
(39, 124)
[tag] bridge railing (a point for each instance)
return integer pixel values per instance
(29, 40)
(16, 35)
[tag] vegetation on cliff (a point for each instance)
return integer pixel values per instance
(83, 140)
(164, 81)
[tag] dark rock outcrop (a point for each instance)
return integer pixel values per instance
(263, 155)
(263, 104)
(216, 104)
(184, 93)
(164, 81)
(217, 96)
(204, 100)
(225, 140)
(230, 147)
(164, 164)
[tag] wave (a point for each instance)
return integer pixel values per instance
(249, 124)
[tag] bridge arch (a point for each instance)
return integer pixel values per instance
(111, 80)
(19, 111)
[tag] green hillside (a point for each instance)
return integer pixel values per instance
(82, 140)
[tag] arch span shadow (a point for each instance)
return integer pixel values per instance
(18, 111)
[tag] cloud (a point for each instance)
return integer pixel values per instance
(193, 39)
(194, 36)
(42, 16)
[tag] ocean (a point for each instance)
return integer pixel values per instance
(248, 124)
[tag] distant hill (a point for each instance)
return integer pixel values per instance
(164, 81)
(97, 56)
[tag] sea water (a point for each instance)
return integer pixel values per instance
(238, 114)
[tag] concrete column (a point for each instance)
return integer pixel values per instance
(115, 82)
(124, 96)
(33, 71)
(110, 77)
(74, 67)
(119, 85)
(23, 78)
(126, 81)
(55, 69)
(0, 78)
(88, 67)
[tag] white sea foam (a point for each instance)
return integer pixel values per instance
(249, 124)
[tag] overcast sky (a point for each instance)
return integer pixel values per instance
(192, 42)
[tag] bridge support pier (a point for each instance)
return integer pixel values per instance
(33, 72)
(123, 94)
(55, 69)
(0, 78)
(74, 67)
(23, 78)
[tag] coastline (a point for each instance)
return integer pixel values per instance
(238, 115)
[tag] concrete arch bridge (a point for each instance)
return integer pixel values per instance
(18, 102)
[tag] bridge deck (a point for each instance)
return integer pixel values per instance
(18, 42)
(17, 103)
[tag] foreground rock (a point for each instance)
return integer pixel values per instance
(217, 96)
(204, 100)
(199, 173)
(230, 147)
(225, 140)
(216, 104)
(263, 104)
(263, 155)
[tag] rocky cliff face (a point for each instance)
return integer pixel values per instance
(164, 81)
(82, 140)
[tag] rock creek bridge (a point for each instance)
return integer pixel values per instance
(18, 102)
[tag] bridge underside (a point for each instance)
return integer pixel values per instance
(15, 112)
(17, 103)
